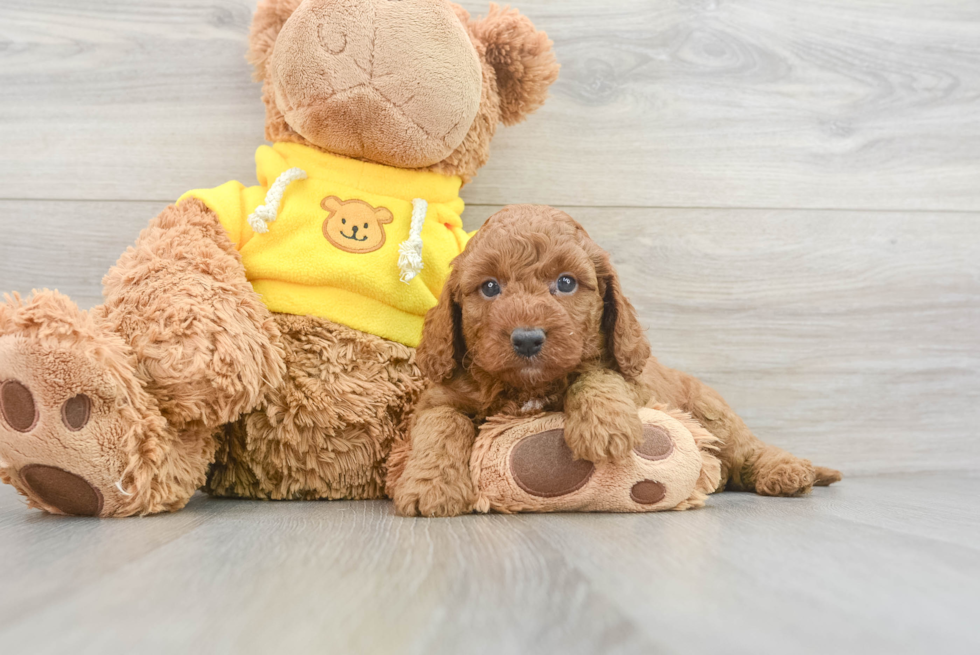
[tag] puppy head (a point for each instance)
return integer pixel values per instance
(528, 301)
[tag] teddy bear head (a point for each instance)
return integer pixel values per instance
(409, 83)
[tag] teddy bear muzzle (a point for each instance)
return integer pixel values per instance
(396, 83)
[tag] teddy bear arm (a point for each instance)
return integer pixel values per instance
(205, 343)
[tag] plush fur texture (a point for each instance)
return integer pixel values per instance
(326, 430)
(186, 376)
(207, 348)
(594, 366)
(364, 79)
(687, 473)
(127, 450)
(514, 67)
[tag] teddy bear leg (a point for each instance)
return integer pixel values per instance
(326, 431)
(79, 435)
(208, 349)
(112, 412)
(525, 465)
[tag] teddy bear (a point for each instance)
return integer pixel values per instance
(258, 342)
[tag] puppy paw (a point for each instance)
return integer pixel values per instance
(446, 495)
(786, 477)
(827, 476)
(601, 437)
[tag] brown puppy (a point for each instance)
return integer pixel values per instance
(533, 318)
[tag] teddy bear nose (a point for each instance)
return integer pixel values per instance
(527, 342)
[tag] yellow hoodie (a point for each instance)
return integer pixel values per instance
(333, 237)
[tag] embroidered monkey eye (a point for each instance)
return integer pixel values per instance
(343, 221)
(566, 284)
(365, 226)
(490, 288)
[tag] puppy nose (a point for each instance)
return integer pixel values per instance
(527, 342)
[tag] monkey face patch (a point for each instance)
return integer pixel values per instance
(353, 225)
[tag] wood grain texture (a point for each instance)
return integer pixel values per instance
(847, 337)
(880, 564)
(696, 103)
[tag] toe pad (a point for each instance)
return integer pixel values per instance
(543, 465)
(17, 406)
(66, 492)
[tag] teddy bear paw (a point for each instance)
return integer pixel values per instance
(62, 419)
(526, 466)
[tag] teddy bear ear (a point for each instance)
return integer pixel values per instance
(522, 58)
(270, 16)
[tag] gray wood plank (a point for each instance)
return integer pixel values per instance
(750, 103)
(847, 337)
(746, 575)
(67, 245)
(794, 575)
(41, 553)
(340, 577)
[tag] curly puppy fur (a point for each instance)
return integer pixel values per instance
(594, 365)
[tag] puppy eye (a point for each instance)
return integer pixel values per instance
(566, 284)
(490, 288)
(365, 226)
(343, 221)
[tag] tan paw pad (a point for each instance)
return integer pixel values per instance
(524, 465)
(66, 492)
(543, 465)
(17, 406)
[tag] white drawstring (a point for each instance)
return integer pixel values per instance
(410, 250)
(265, 214)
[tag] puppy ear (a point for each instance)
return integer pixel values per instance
(443, 347)
(269, 18)
(522, 58)
(625, 340)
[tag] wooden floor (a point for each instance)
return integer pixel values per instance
(791, 192)
(886, 564)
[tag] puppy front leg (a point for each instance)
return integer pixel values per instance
(437, 480)
(601, 421)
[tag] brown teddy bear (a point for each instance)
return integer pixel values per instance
(259, 341)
